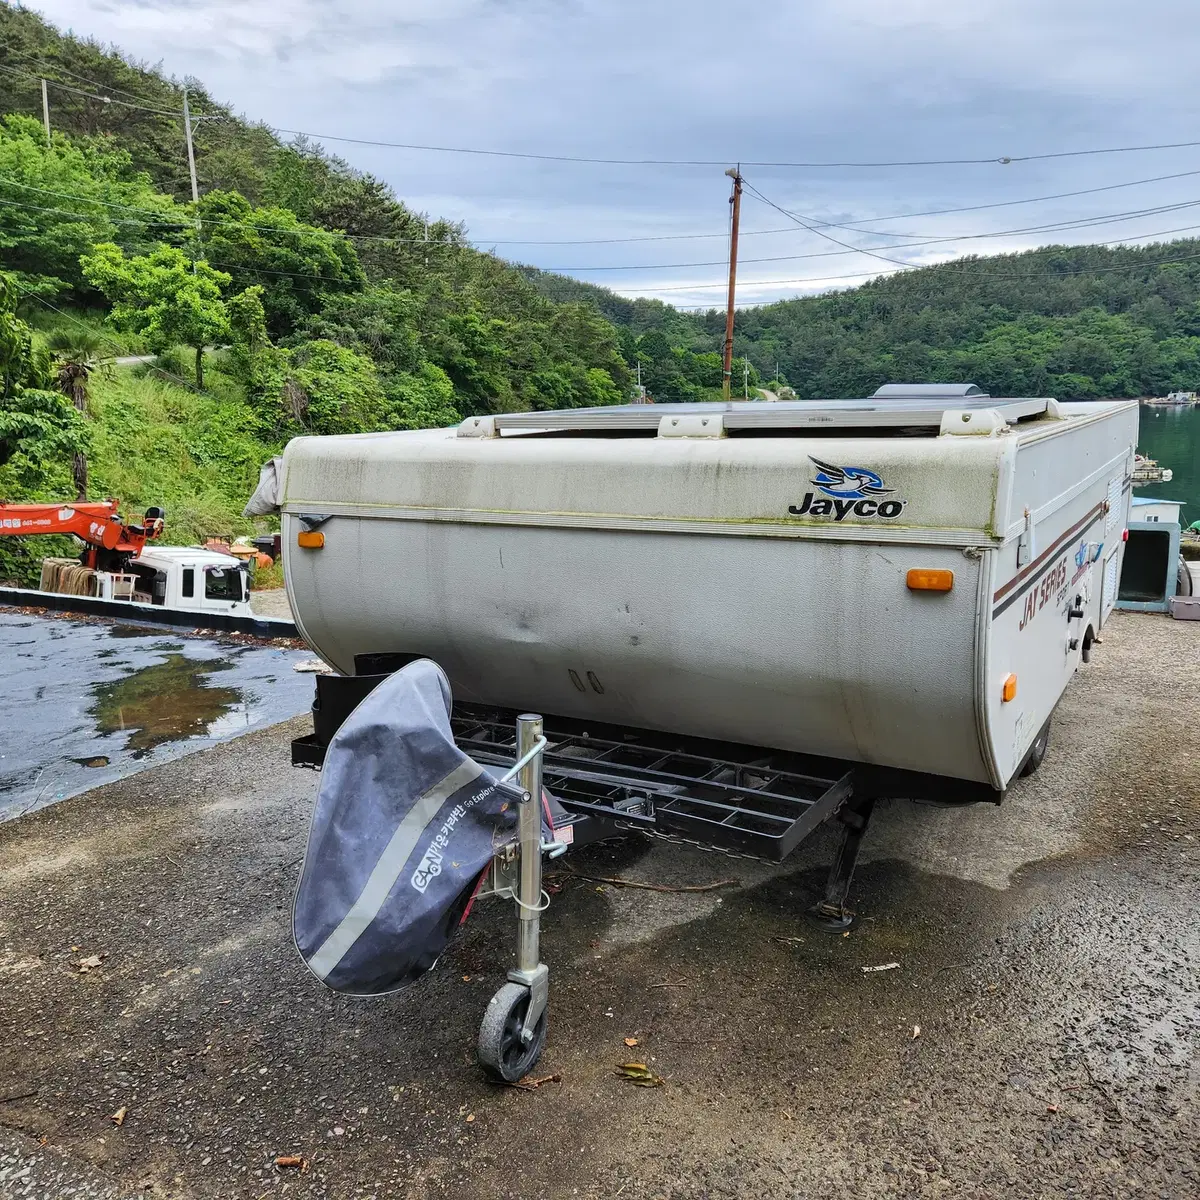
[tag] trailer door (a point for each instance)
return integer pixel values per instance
(1112, 580)
(1115, 519)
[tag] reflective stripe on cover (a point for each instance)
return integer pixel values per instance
(403, 825)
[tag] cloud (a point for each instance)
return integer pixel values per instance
(829, 81)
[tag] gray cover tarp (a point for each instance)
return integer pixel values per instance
(403, 826)
(266, 495)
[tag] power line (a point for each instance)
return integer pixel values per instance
(115, 344)
(1057, 226)
(947, 263)
(933, 212)
(66, 212)
(1099, 218)
(990, 160)
(847, 225)
(820, 233)
(1054, 226)
(1004, 160)
(66, 87)
(812, 225)
(482, 243)
(40, 62)
(328, 280)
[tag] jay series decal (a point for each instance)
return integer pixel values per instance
(1051, 587)
(847, 491)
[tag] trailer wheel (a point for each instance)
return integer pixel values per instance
(1037, 752)
(502, 1053)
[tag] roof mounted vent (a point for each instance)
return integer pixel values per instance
(927, 391)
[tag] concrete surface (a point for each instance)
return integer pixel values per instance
(271, 603)
(1038, 1038)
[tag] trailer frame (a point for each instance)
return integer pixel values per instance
(738, 800)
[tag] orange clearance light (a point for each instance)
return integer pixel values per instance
(920, 579)
(1010, 688)
(308, 540)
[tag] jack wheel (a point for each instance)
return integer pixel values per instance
(1037, 752)
(503, 1054)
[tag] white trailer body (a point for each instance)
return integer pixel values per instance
(749, 573)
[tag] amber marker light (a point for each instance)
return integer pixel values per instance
(922, 579)
(1010, 688)
(307, 539)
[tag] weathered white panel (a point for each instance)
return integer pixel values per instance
(771, 642)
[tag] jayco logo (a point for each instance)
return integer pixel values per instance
(847, 490)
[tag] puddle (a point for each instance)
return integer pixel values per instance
(163, 703)
(84, 703)
(140, 631)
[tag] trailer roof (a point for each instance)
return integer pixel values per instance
(909, 410)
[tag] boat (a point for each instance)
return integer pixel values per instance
(1147, 471)
(1173, 400)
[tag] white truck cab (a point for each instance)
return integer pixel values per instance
(191, 579)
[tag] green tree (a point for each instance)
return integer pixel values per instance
(296, 265)
(40, 431)
(162, 296)
(381, 322)
(422, 399)
(57, 201)
(321, 388)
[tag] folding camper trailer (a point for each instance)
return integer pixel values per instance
(738, 620)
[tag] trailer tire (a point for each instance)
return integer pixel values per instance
(1037, 752)
(502, 1053)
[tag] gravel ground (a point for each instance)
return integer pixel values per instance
(1038, 1038)
(272, 603)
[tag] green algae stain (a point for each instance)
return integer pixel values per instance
(166, 702)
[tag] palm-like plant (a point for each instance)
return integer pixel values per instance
(77, 353)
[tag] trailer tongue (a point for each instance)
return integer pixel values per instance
(738, 620)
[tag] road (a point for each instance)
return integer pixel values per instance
(1038, 1038)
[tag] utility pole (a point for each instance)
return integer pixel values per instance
(746, 380)
(734, 173)
(187, 127)
(46, 111)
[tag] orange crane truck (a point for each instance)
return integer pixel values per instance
(111, 543)
(119, 563)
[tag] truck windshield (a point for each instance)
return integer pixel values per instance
(223, 583)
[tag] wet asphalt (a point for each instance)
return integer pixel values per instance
(84, 700)
(1038, 1037)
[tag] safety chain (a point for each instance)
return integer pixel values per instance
(707, 847)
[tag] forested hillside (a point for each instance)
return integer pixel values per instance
(1070, 321)
(1074, 322)
(301, 295)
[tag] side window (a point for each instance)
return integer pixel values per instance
(189, 582)
(223, 583)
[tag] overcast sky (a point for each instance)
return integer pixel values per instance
(800, 81)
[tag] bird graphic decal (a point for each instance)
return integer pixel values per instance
(847, 482)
